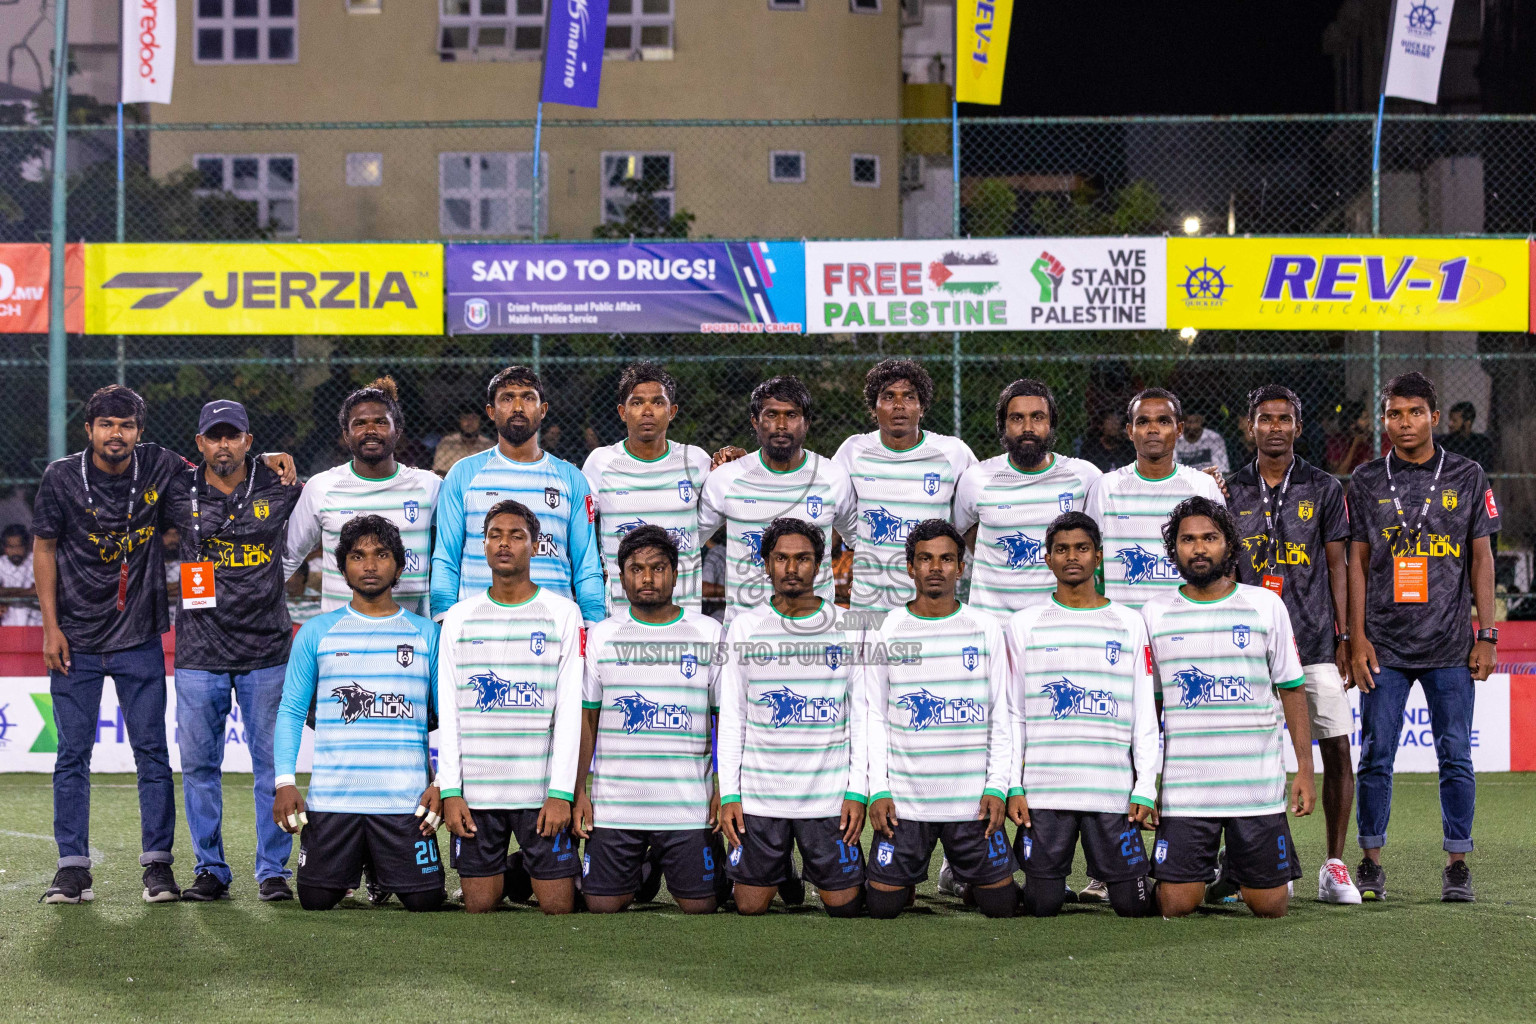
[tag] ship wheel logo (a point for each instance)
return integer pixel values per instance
(1422, 19)
(1205, 282)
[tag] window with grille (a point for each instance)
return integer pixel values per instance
(490, 193)
(270, 180)
(245, 31)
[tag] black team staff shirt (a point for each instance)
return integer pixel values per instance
(1311, 514)
(248, 628)
(94, 538)
(1461, 509)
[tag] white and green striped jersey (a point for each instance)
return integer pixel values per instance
(792, 724)
(896, 491)
(940, 735)
(1010, 509)
(654, 687)
(1085, 723)
(509, 701)
(1131, 510)
(745, 496)
(1217, 665)
(408, 499)
(632, 492)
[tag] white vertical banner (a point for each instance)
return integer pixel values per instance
(1420, 30)
(148, 50)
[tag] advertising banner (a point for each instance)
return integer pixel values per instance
(1420, 33)
(148, 57)
(573, 52)
(981, 40)
(985, 284)
(24, 270)
(263, 289)
(1350, 284)
(639, 288)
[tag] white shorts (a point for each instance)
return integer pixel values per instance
(1327, 706)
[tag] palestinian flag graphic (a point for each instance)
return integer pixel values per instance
(962, 273)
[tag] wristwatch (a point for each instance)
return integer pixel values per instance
(1341, 638)
(1488, 636)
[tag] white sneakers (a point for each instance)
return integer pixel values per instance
(1334, 884)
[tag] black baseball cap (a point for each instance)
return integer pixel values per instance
(223, 411)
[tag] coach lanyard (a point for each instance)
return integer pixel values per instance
(1272, 519)
(122, 552)
(197, 522)
(1418, 527)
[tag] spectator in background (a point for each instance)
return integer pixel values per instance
(467, 441)
(16, 582)
(1351, 447)
(170, 540)
(1200, 447)
(1461, 441)
(16, 509)
(1109, 449)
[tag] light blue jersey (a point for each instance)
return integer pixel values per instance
(371, 682)
(568, 561)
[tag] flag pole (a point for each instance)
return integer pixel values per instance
(58, 343)
(1381, 110)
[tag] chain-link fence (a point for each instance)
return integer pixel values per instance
(812, 179)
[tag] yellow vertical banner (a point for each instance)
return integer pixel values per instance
(981, 49)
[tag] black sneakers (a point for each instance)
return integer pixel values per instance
(70, 885)
(1371, 880)
(204, 889)
(160, 884)
(275, 888)
(1456, 883)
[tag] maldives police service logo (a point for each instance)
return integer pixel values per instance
(884, 853)
(1112, 651)
(1068, 698)
(411, 510)
(536, 641)
(492, 691)
(1141, 565)
(1064, 501)
(791, 708)
(1028, 846)
(688, 665)
(404, 655)
(641, 712)
(685, 490)
(1160, 852)
(1241, 636)
(832, 656)
(1203, 688)
(735, 856)
(970, 657)
(930, 484)
(885, 527)
(813, 505)
(927, 708)
(552, 497)
(477, 313)
(753, 539)
(1020, 550)
(357, 703)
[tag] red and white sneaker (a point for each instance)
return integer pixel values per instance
(1334, 884)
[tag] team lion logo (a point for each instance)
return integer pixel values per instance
(1203, 688)
(1020, 549)
(924, 706)
(1139, 563)
(885, 527)
(676, 534)
(1064, 694)
(357, 703)
(637, 711)
(787, 705)
(491, 690)
(753, 539)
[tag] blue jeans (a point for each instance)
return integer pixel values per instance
(202, 708)
(1450, 693)
(138, 673)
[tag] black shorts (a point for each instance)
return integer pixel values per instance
(484, 855)
(975, 857)
(1260, 853)
(334, 846)
(1111, 845)
(690, 859)
(763, 858)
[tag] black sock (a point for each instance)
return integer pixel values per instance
(313, 897)
(419, 902)
(1044, 896)
(853, 908)
(1132, 898)
(997, 900)
(885, 905)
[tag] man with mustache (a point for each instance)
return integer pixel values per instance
(567, 558)
(232, 637)
(100, 571)
(373, 482)
(1224, 660)
(780, 479)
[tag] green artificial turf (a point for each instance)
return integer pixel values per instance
(1409, 960)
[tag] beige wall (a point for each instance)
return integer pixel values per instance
(732, 59)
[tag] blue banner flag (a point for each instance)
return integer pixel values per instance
(639, 288)
(573, 52)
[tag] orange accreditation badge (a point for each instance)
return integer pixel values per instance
(197, 585)
(1410, 580)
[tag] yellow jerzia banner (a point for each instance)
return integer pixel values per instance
(1351, 284)
(263, 289)
(981, 46)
